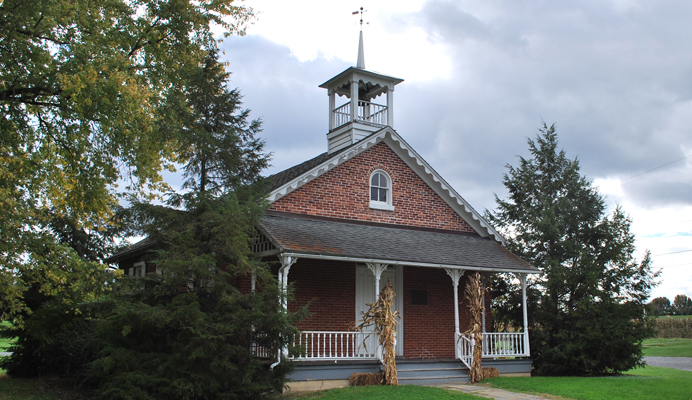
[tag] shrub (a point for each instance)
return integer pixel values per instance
(671, 328)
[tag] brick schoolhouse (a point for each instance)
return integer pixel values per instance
(371, 210)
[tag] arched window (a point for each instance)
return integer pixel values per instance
(381, 191)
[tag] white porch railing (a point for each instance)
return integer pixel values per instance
(333, 345)
(367, 112)
(372, 113)
(330, 345)
(504, 344)
(495, 344)
(464, 348)
(342, 115)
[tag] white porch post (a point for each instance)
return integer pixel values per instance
(253, 280)
(354, 100)
(286, 262)
(332, 105)
(522, 278)
(455, 274)
(390, 106)
(377, 270)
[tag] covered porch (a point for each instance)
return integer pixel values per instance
(339, 266)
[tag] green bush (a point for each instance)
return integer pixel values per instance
(671, 328)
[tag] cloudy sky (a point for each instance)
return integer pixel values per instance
(615, 76)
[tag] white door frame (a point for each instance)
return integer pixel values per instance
(365, 296)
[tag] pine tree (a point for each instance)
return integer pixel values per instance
(591, 293)
(189, 332)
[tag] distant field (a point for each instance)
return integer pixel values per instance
(675, 316)
(668, 347)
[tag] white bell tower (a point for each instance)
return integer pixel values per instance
(359, 116)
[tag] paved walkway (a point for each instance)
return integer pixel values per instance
(493, 393)
(683, 363)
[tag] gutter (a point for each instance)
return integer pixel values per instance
(406, 263)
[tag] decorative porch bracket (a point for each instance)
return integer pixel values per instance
(377, 269)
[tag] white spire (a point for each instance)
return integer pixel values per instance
(361, 53)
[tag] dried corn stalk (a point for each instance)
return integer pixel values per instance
(474, 297)
(380, 315)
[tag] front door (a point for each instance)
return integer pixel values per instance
(365, 293)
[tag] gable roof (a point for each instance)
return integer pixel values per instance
(295, 177)
(328, 238)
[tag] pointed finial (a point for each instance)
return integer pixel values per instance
(361, 53)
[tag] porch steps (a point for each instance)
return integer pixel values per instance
(432, 372)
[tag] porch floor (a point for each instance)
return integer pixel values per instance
(438, 372)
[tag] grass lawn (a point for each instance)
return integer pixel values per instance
(638, 384)
(5, 343)
(384, 393)
(675, 316)
(668, 347)
(22, 389)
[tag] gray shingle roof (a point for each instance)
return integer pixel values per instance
(142, 245)
(408, 245)
(281, 178)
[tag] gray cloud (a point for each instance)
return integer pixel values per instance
(615, 77)
(614, 81)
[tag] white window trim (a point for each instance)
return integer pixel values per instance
(381, 205)
(138, 265)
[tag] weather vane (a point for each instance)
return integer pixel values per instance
(361, 11)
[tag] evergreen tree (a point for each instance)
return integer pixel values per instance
(589, 316)
(189, 332)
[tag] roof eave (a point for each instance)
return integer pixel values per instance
(318, 256)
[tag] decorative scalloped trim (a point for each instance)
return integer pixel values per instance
(367, 143)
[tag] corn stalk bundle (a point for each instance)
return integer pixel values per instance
(384, 319)
(474, 297)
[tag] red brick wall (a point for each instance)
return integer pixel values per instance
(344, 192)
(429, 330)
(330, 288)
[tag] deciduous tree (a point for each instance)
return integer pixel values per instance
(83, 93)
(659, 306)
(682, 305)
(590, 312)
